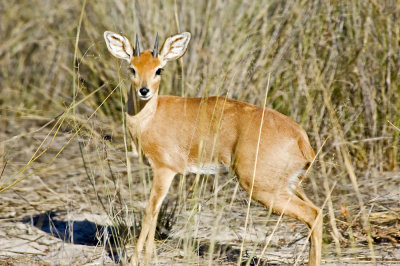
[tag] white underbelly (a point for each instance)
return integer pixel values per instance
(207, 169)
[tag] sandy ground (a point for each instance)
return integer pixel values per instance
(55, 216)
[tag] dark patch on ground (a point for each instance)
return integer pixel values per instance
(81, 232)
(76, 232)
(91, 234)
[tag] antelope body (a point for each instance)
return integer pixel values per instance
(180, 135)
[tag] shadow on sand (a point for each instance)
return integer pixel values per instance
(91, 234)
(80, 232)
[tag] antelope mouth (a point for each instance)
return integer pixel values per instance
(145, 98)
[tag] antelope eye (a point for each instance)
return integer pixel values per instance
(158, 72)
(132, 70)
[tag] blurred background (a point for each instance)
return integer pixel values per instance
(334, 68)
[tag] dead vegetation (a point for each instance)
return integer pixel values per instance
(334, 68)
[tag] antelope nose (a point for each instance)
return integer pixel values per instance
(143, 91)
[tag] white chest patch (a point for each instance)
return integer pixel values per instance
(207, 169)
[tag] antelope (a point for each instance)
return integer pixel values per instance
(268, 151)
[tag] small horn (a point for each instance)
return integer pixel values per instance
(155, 50)
(137, 48)
(131, 105)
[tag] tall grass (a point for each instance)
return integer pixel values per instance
(334, 67)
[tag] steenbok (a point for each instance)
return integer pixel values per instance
(268, 151)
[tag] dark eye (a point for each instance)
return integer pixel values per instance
(158, 72)
(132, 70)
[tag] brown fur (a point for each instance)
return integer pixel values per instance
(181, 132)
(178, 134)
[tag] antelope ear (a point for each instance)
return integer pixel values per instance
(174, 47)
(118, 45)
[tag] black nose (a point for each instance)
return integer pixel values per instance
(143, 91)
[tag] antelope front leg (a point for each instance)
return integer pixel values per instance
(162, 178)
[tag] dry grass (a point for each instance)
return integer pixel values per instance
(334, 68)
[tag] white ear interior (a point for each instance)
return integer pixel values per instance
(118, 45)
(174, 47)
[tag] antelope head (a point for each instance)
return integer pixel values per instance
(146, 66)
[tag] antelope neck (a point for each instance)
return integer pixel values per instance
(143, 114)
